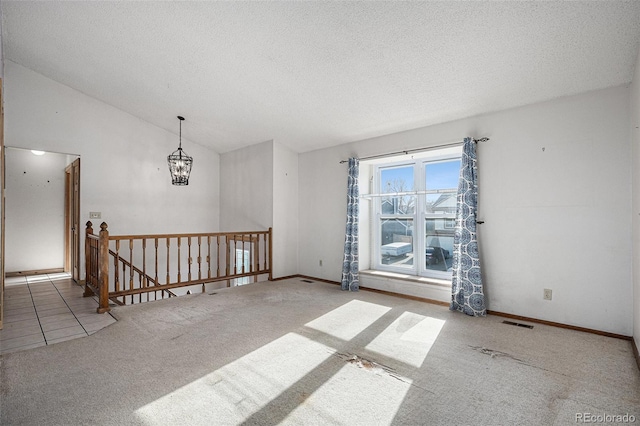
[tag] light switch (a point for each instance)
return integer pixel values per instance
(95, 215)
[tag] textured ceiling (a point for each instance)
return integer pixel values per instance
(317, 74)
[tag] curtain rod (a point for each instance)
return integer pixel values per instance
(408, 151)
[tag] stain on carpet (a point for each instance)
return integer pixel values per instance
(495, 354)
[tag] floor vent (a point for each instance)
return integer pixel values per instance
(211, 294)
(518, 324)
(307, 281)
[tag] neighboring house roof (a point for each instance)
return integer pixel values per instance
(446, 202)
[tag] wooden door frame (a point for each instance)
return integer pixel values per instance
(67, 218)
(2, 183)
(71, 216)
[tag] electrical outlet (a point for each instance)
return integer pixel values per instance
(320, 262)
(95, 215)
(547, 294)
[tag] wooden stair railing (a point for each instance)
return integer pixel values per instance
(205, 258)
(143, 276)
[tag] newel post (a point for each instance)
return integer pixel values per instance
(87, 260)
(103, 269)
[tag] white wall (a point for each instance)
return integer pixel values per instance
(1, 51)
(635, 141)
(124, 173)
(246, 188)
(259, 189)
(285, 211)
(556, 218)
(34, 210)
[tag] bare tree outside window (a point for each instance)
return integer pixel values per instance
(401, 204)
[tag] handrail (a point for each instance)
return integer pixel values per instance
(204, 234)
(180, 260)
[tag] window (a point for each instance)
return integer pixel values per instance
(242, 263)
(414, 218)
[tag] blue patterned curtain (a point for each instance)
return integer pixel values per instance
(466, 286)
(350, 280)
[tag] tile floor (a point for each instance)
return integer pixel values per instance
(46, 309)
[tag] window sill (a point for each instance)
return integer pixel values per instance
(404, 277)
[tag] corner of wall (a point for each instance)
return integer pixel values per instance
(635, 196)
(246, 188)
(285, 210)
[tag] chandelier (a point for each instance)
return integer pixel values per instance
(180, 163)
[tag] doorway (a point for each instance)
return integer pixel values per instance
(42, 213)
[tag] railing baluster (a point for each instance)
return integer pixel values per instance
(156, 259)
(144, 258)
(200, 260)
(251, 254)
(227, 256)
(208, 256)
(218, 256)
(116, 274)
(264, 240)
(258, 252)
(189, 258)
(233, 254)
(130, 267)
(168, 247)
(144, 282)
(243, 249)
(124, 276)
(179, 243)
(199, 257)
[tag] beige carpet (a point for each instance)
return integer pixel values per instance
(292, 352)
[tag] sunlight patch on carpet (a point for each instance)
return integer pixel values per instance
(349, 320)
(408, 339)
(353, 396)
(234, 392)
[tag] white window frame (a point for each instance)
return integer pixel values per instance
(419, 217)
(243, 257)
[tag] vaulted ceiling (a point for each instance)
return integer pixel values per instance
(316, 74)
